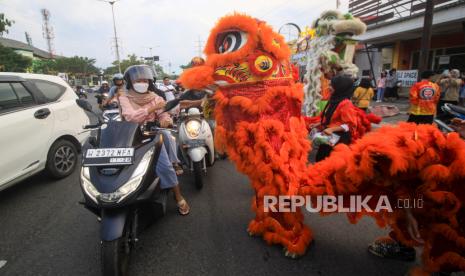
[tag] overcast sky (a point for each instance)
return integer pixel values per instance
(171, 27)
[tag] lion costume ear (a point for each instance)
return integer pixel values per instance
(198, 77)
(273, 42)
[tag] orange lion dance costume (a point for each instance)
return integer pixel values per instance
(259, 124)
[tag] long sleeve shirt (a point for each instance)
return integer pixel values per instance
(140, 114)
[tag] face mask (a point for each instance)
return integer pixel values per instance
(141, 87)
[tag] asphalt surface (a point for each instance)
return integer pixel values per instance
(44, 231)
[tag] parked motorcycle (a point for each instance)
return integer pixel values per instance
(450, 112)
(121, 187)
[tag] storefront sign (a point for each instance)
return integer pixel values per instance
(444, 60)
(407, 77)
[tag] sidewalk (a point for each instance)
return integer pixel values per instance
(402, 104)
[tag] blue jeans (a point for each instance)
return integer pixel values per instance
(165, 171)
(380, 93)
(170, 146)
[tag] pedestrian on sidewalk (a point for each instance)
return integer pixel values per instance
(391, 85)
(424, 97)
(381, 87)
(450, 85)
(363, 95)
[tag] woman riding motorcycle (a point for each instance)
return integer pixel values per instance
(140, 104)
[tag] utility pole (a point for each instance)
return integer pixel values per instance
(28, 39)
(463, 27)
(426, 37)
(338, 4)
(47, 31)
(199, 47)
(112, 2)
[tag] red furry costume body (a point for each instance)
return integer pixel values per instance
(259, 124)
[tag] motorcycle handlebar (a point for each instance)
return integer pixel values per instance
(92, 126)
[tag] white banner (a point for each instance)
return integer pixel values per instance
(407, 77)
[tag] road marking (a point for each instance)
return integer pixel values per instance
(2, 263)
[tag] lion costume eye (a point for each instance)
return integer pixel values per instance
(330, 17)
(230, 41)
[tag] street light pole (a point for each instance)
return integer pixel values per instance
(426, 37)
(112, 2)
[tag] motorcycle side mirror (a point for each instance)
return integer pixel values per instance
(93, 141)
(84, 105)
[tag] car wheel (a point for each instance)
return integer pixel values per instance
(61, 159)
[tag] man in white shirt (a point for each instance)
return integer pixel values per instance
(167, 88)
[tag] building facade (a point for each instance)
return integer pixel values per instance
(25, 49)
(393, 37)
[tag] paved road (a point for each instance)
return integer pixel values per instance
(44, 231)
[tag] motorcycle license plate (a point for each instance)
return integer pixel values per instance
(108, 157)
(195, 143)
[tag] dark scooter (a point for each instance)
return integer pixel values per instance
(120, 186)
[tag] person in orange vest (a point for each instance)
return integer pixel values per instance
(424, 97)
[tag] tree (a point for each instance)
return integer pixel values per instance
(74, 66)
(46, 66)
(78, 66)
(4, 24)
(125, 63)
(10, 61)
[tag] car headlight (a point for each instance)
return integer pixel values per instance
(124, 191)
(193, 128)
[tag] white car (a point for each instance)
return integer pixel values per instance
(41, 127)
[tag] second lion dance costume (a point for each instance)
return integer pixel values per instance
(259, 124)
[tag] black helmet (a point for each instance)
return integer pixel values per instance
(137, 72)
(118, 76)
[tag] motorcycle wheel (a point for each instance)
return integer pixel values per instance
(115, 256)
(198, 168)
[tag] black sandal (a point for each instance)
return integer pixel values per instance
(386, 247)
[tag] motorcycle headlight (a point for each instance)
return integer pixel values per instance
(87, 186)
(193, 128)
(124, 191)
